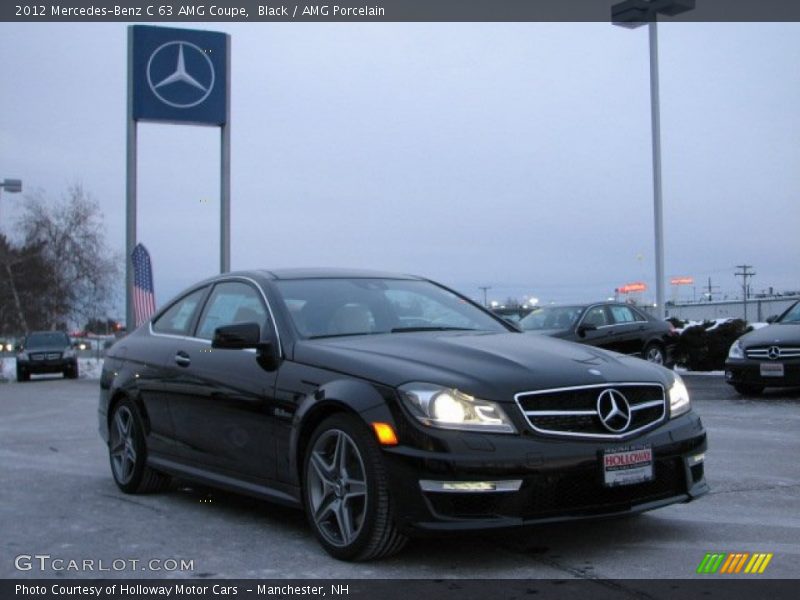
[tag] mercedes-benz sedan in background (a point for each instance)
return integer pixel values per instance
(767, 357)
(46, 352)
(610, 325)
(385, 405)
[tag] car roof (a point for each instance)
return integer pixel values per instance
(332, 273)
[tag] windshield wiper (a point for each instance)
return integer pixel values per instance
(431, 328)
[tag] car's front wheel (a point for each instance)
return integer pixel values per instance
(345, 491)
(127, 452)
(22, 374)
(748, 389)
(654, 353)
(71, 372)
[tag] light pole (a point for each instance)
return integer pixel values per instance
(633, 14)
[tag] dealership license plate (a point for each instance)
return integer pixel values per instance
(772, 369)
(627, 466)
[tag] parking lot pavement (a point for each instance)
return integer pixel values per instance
(57, 498)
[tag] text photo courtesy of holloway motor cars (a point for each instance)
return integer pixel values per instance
(370, 300)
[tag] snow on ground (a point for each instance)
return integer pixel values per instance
(88, 368)
(716, 323)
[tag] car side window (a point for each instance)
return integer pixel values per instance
(596, 316)
(178, 318)
(623, 314)
(231, 302)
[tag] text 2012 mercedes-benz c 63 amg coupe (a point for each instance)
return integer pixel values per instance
(385, 405)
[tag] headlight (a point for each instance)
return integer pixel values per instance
(678, 398)
(69, 353)
(736, 351)
(22, 356)
(447, 408)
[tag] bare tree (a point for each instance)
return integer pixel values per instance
(83, 271)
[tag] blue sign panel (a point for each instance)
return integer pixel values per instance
(179, 75)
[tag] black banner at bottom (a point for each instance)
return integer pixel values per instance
(401, 589)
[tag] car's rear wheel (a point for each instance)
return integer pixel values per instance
(127, 452)
(346, 494)
(654, 353)
(748, 389)
(22, 374)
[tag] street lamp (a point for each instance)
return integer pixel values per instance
(633, 14)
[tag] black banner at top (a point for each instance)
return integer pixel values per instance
(164, 11)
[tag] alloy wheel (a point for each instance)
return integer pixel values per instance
(337, 484)
(123, 446)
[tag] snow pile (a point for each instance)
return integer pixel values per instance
(88, 368)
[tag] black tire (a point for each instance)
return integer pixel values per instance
(127, 452)
(654, 353)
(23, 375)
(345, 492)
(748, 389)
(71, 372)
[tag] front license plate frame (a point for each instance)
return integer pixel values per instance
(771, 369)
(627, 465)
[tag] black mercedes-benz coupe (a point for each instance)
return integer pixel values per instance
(767, 357)
(385, 405)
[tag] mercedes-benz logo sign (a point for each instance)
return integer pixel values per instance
(180, 74)
(614, 410)
(774, 353)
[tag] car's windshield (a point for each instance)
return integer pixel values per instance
(551, 317)
(792, 315)
(337, 307)
(47, 338)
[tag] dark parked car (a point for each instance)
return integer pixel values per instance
(767, 357)
(610, 325)
(386, 405)
(46, 352)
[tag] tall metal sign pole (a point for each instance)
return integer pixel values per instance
(177, 76)
(632, 14)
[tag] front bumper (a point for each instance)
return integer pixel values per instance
(748, 372)
(39, 367)
(560, 479)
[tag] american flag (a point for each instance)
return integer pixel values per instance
(144, 298)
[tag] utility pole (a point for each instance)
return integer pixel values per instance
(711, 289)
(485, 289)
(745, 273)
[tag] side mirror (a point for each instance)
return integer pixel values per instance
(237, 336)
(772, 319)
(586, 327)
(240, 336)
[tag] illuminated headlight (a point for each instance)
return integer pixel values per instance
(736, 351)
(447, 408)
(678, 398)
(69, 353)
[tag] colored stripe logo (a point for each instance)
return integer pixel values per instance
(730, 563)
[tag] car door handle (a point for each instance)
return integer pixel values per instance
(182, 359)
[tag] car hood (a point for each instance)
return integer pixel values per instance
(490, 365)
(775, 334)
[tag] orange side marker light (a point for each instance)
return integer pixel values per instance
(385, 433)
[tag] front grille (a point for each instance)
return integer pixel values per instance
(572, 492)
(763, 353)
(45, 355)
(573, 411)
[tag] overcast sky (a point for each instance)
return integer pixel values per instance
(511, 155)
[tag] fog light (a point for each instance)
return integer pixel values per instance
(697, 458)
